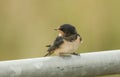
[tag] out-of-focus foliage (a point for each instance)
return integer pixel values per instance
(26, 26)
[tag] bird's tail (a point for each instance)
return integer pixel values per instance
(48, 54)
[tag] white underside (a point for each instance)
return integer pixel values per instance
(68, 47)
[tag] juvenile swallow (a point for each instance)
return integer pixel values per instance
(67, 41)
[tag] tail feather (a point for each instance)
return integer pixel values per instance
(48, 54)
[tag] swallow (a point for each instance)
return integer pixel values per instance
(67, 41)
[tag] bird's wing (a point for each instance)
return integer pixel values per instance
(56, 44)
(80, 38)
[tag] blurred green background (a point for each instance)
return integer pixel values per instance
(26, 26)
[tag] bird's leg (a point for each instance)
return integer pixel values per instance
(74, 53)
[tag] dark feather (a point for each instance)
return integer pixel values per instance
(71, 38)
(49, 53)
(56, 44)
(58, 41)
(80, 37)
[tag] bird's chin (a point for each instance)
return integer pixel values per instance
(59, 34)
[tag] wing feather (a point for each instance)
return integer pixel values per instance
(56, 44)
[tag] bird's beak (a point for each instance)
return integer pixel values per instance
(56, 29)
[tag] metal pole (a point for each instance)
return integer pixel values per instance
(85, 65)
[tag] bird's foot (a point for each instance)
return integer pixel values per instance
(74, 53)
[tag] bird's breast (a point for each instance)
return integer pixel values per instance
(68, 47)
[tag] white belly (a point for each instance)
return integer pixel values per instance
(68, 47)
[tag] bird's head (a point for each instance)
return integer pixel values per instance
(66, 30)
